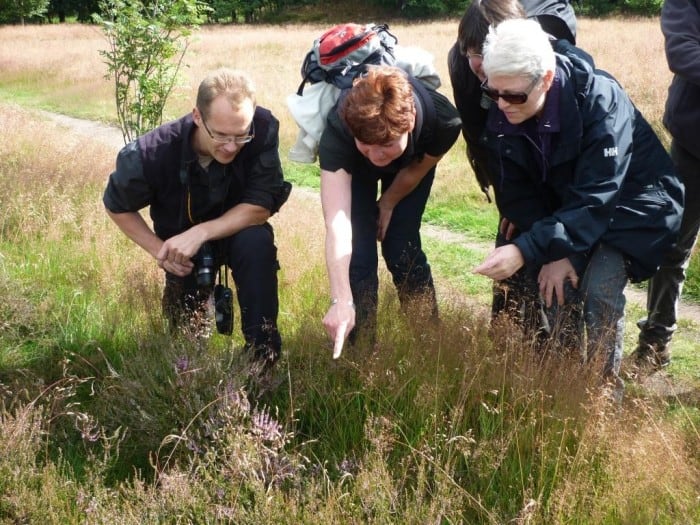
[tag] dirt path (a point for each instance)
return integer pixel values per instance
(113, 137)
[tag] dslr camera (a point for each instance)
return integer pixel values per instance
(205, 270)
(205, 266)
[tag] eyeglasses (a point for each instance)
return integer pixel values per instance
(227, 139)
(512, 98)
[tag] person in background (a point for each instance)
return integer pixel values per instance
(680, 23)
(212, 180)
(518, 296)
(388, 130)
(583, 178)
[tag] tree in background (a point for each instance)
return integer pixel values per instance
(147, 42)
(22, 10)
(284, 11)
(82, 10)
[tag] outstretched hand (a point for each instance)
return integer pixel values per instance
(339, 321)
(501, 263)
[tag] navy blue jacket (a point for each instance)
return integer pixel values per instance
(161, 170)
(473, 105)
(603, 175)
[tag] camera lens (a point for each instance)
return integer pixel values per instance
(205, 266)
(205, 276)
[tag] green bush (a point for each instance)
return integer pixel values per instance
(147, 43)
(609, 7)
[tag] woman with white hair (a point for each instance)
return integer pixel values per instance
(588, 188)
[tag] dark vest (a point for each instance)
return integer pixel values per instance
(170, 166)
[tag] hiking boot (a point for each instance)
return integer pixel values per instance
(651, 356)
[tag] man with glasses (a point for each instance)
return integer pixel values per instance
(212, 180)
(582, 177)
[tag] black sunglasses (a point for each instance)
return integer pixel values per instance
(512, 98)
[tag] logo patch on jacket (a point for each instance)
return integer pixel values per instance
(610, 152)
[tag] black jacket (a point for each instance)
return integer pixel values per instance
(680, 23)
(160, 169)
(606, 176)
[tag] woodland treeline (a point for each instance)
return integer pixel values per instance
(289, 11)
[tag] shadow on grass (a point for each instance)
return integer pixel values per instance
(471, 415)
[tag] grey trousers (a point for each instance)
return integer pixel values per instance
(666, 285)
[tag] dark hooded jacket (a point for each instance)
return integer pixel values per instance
(590, 170)
(556, 17)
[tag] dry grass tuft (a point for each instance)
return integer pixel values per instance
(632, 50)
(57, 194)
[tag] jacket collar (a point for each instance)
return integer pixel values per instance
(561, 113)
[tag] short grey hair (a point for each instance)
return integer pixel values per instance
(518, 47)
(235, 85)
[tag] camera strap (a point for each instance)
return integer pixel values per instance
(223, 270)
(185, 176)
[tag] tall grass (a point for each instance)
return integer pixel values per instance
(106, 417)
(60, 66)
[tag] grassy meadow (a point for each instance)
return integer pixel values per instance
(105, 417)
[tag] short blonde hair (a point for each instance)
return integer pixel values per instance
(236, 85)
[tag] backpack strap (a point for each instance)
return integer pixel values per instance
(310, 72)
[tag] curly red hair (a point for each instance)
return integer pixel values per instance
(380, 106)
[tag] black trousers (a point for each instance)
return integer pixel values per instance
(251, 255)
(401, 249)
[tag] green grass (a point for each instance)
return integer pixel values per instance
(67, 100)
(455, 213)
(306, 175)
(453, 263)
(691, 288)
